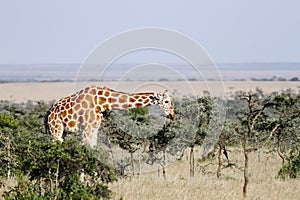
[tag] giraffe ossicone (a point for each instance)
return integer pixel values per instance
(82, 111)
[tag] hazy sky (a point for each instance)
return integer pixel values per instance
(61, 31)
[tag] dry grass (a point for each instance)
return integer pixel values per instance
(263, 184)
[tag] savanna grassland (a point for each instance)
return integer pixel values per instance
(205, 185)
(256, 155)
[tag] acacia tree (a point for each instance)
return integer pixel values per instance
(228, 137)
(132, 130)
(137, 132)
(190, 126)
(283, 126)
(8, 125)
(256, 105)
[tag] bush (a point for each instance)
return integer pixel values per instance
(292, 168)
(8, 121)
(53, 170)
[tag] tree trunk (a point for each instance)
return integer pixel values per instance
(164, 164)
(246, 172)
(192, 162)
(281, 156)
(132, 163)
(140, 163)
(246, 156)
(56, 180)
(51, 181)
(219, 161)
(9, 157)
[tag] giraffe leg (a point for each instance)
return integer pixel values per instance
(95, 128)
(58, 132)
(56, 127)
(90, 134)
(94, 138)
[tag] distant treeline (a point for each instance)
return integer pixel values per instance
(275, 78)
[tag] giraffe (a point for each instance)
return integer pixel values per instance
(83, 109)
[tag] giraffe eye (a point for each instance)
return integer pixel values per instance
(166, 101)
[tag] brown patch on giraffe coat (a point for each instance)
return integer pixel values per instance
(70, 112)
(67, 106)
(98, 117)
(123, 98)
(146, 101)
(92, 116)
(64, 113)
(140, 100)
(107, 93)
(77, 107)
(84, 104)
(86, 116)
(144, 97)
(138, 105)
(81, 91)
(112, 100)
(114, 94)
(73, 98)
(86, 90)
(100, 92)
(105, 106)
(88, 98)
(95, 100)
(97, 109)
(71, 124)
(131, 100)
(115, 106)
(93, 91)
(80, 119)
(136, 96)
(53, 123)
(79, 98)
(70, 116)
(125, 106)
(80, 112)
(102, 100)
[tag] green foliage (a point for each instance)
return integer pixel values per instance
(43, 169)
(292, 168)
(53, 170)
(138, 113)
(8, 121)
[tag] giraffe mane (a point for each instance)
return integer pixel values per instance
(138, 93)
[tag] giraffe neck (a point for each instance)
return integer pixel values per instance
(114, 100)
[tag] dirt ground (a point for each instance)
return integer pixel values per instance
(22, 92)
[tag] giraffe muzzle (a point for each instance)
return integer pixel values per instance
(171, 116)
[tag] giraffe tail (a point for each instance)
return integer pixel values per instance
(47, 131)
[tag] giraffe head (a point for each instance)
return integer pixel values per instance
(164, 100)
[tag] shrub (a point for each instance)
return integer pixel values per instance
(53, 169)
(8, 121)
(292, 168)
